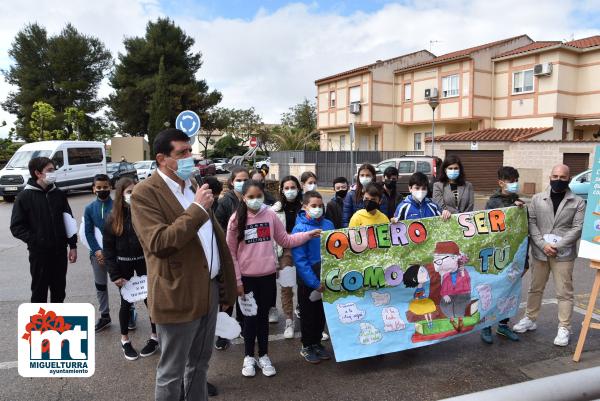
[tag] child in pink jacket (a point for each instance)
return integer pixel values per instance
(250, 235)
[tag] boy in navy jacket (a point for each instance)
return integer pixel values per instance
(416, 205)
(307, 259)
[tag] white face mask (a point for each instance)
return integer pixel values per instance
(50, 178)
(311, 187)
(315, 212)
(127, 198)
(238, 185)
(255, 203)
(365, 180)
(290, 194)
(419, 195)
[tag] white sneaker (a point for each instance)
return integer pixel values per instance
(273, 315)
(249, 368)
(525, 324)
(325, 337)
(562, 337)
(264, 363)
(289, 329)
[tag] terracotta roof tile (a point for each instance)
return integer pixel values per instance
(493, 134)
(366, 68)
(530, 47)
(585, 42)
(460, 53)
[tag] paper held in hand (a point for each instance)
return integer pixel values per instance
(287, 276)
(136, 289)
(227, 327)
(248, 304)
(315, 296)
(83, 238)
(70, 225)
(555, 239)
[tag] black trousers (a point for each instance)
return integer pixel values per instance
(124, 315)
(257, 327)
(48, 272)
(312, 323)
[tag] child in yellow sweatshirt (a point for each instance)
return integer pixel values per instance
(370, 215)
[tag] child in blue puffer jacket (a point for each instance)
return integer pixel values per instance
(307, 259)
(417, 205)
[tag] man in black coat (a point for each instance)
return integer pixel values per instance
(37, 219)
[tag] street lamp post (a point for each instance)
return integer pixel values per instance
(433, 103)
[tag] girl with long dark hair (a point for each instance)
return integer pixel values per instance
(252, 234)
(453, 193)
(123, 256)
(354, 198)
(290, 203)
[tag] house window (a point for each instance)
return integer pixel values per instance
(522, 81)
(332, 99)
(418, 145)
(578, 134)
(342, 142)
(407, 92)
(376, 142)
(355, 94)
(450, 86)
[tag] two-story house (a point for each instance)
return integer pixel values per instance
(545, 110)
(363, 96)
(461, 81)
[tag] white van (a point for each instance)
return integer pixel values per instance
(77, 162)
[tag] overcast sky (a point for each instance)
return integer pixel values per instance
(268, 54)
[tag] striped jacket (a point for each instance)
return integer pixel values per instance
(410, 209)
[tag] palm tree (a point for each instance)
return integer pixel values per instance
(288, 138)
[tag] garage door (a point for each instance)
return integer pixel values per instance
(577, 162)
(481, 167)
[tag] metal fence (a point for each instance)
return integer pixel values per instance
(330, 165)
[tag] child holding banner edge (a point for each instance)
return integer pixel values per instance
(307, 259)
(251, 234)
(507, 195)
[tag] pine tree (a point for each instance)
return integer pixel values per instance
(160, 106)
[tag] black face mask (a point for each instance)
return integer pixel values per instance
(341, 193)
(103, 195)
(371, 205)
(559, 185)
(391, 184)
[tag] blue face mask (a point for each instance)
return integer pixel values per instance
(452, 174)
(512, 187)
(238, 186)
(185, 168)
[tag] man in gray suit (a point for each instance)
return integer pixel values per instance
(555, 223)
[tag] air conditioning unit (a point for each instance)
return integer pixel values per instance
(431, 93)
(355, 107)
(542, 69)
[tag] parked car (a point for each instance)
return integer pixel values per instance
(220, 165)
(119, 170)
(77, 162)
(258, 165)
(407, 165)
(145, 168)
(581, 183)
(206, 167)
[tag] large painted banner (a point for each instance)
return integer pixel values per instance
(589, 246)
(410, 284)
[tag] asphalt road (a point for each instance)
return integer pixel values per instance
(454, 367)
